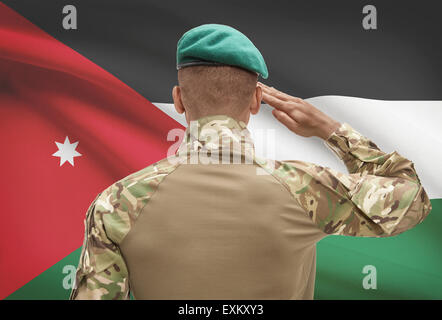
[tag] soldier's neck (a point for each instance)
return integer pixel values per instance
(243, 117)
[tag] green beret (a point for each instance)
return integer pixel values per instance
(216, 44)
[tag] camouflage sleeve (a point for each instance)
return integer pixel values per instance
(102, 273)
(382, 196)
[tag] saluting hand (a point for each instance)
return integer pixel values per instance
(298, 115)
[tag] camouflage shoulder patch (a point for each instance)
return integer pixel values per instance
(122, 202)
(323, 194)
(353, 204)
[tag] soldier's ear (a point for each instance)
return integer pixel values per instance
(176, 95)
(256, 101)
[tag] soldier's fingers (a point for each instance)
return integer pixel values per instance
(262, 85)
(274, 102)
(278, 94)
(266, 88)
(285, 119)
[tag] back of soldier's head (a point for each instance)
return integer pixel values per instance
(208, 90)
(218, 69)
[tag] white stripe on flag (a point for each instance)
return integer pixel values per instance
(412, 128)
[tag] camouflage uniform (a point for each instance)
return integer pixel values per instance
(380, 197)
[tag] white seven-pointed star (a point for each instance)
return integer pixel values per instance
(66, 151)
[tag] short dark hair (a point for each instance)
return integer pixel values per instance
(207, 89)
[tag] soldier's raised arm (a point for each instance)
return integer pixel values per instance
(102, 273)
(381, 196)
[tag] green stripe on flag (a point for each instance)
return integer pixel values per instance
(53, 284)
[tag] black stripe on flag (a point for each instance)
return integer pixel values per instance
(312, 48)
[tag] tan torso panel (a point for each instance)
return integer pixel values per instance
(221, 232)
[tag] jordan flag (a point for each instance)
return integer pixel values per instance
(83, 107)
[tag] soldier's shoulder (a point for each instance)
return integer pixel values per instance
(163, 166)
(303, 171)
(297, 174)
(138, 185)
(143, 176)
(287, 168)
(121, 202)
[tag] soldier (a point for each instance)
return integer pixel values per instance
(192, 226)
